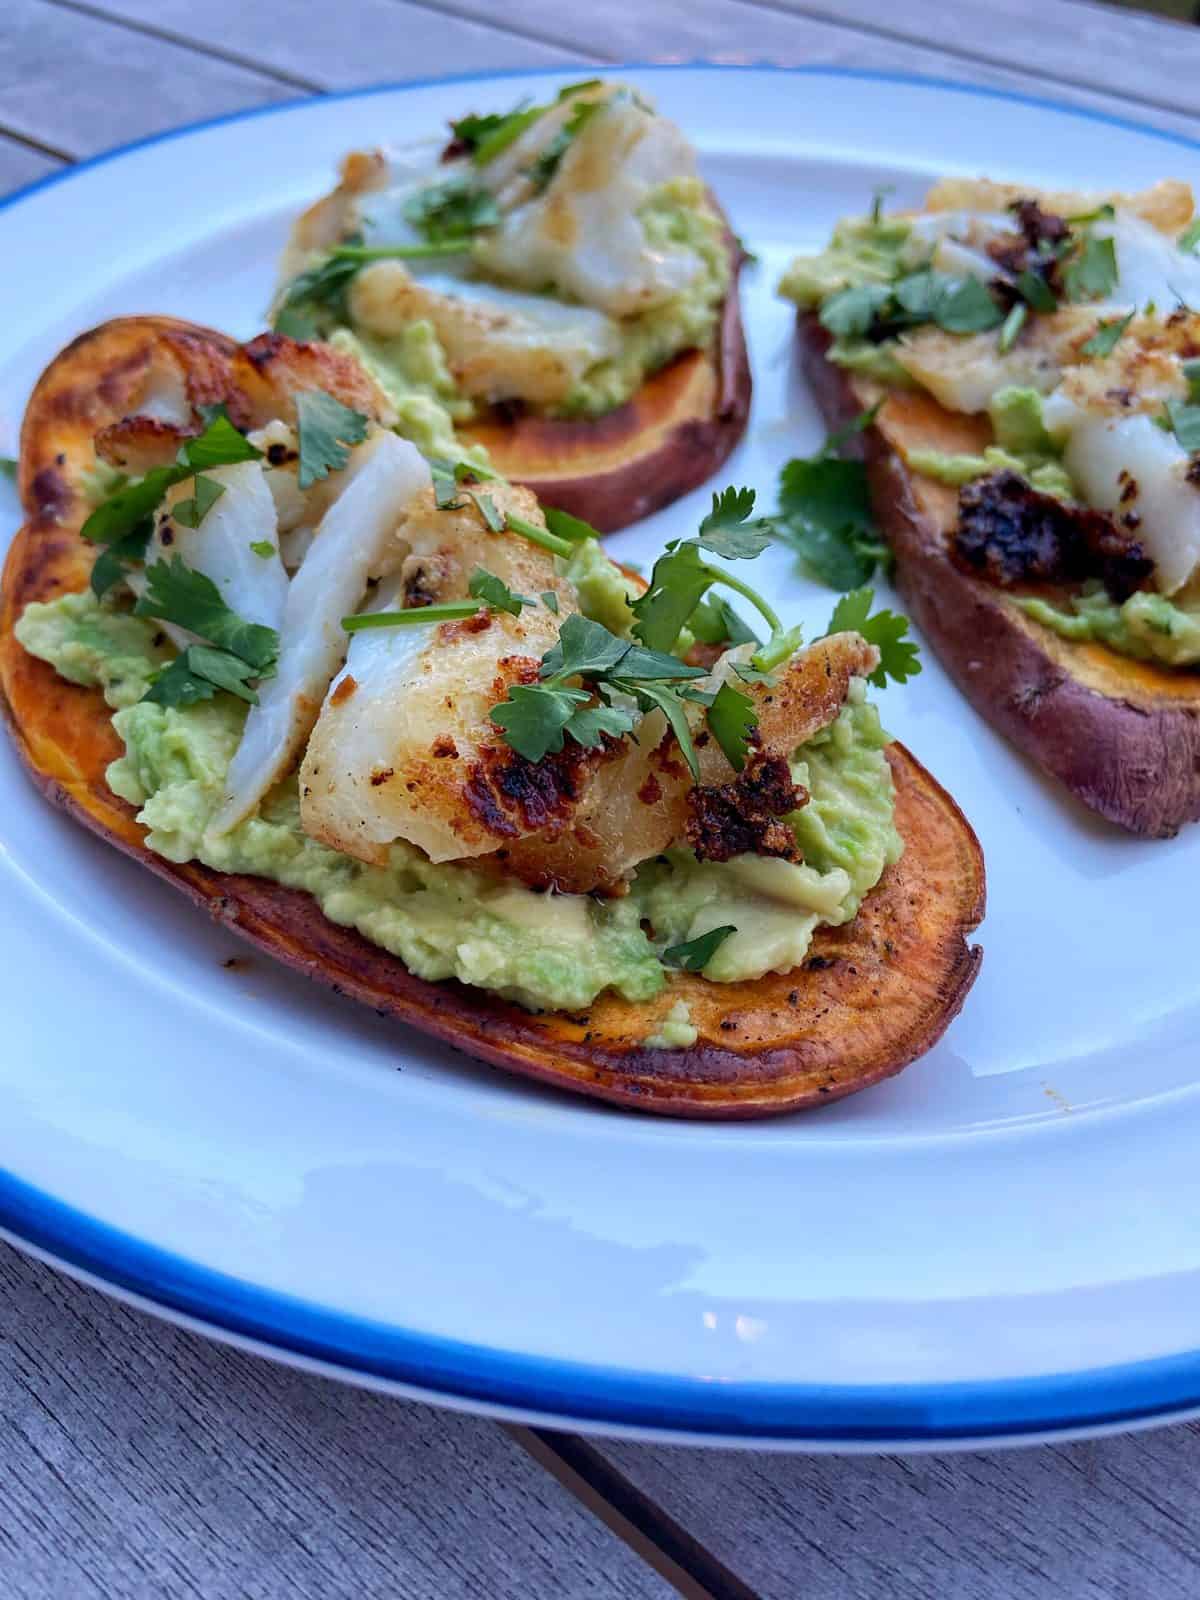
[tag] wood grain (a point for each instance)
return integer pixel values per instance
(142, 1461)
(20, 164)
(342, 46)
(1106, 1520)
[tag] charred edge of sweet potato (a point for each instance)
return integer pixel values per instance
(870, 998)
(671, 436)
(1123, 736)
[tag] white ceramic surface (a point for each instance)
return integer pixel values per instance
(1004, 1238)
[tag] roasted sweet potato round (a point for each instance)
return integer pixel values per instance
(1122, 735)
(870, 998)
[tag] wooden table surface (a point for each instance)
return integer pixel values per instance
(138, 1460)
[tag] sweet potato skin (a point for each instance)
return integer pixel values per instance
(870, 998)
(1122, 735)
(669, 438)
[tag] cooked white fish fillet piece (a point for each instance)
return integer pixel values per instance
(634, 804)
(254, 586)
(404, 746)
(1129, 466)
(500, 344)
(584, 233)
(383, 477)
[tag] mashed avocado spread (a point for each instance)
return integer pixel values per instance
(1022, 446)
(1147, 626)
(544, 951)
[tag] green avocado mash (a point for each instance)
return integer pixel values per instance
(411, 370)
(862, 250)
(543, 951)
(1022, 446)
(1147, 626)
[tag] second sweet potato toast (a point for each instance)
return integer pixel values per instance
(425, 742)
(556, 284)
(1030, 363)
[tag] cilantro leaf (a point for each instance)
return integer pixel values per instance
(825, 517)
(226, 670)
(454, 209)
(487, 136)
(321, 287)
(263, 548)
(1189, 239)
(782, 644)
(968, 307)
(220, 445)
(714, 621)
(724, 530)
(1184, 419)
(589, 724)
(1035, 291)
(1092, 273)
(296, 324)
(112, 564)
(898, 655)
(548, 160)
(178, 594)
(326, 429)
(678, 583)
(486, 507)
(641, 663)
(205, 494)
(584, 648)
(550, 600)
(650, 696)
(850, 313)
(486, 586)
(1104, 341)
(180, 685)
(695, 955)
(8, 468)
(534, 716)
(564, 526)
(731, 718)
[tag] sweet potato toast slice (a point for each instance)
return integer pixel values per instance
(870, 998)
(1122, 735)
(669, 438)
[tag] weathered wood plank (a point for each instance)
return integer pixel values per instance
(1096, 1521)
(19, 164)
(1151, 60)
(351, 43)
(80, 84)
(142, 1461)
(786, 33)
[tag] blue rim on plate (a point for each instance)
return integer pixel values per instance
(452, 1370)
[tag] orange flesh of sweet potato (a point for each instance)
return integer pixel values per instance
(869, 999)
(1122, 735)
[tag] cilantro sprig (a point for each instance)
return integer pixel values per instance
(1106, 337)
(455, 209)
(125, 520)
(587, 682)
(235, 653)
(957, 305)
(695, 955)
(899, 656)
(485, 137)
(824, 513)
(325, 431)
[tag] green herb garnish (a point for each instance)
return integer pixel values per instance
(263, 548)
(825, 516)
(695, 955)
(1183, 420)
(1189, 239)
(452, 210)
(1092, 273)
(1035, 291)
(236, 651)
(325, 430)
(1104, 341)
(548, 160)
(1011, 327)
(899, 656)
(486, 586)
(731, 720)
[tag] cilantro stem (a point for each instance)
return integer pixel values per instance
(415, 616)
(539, 536)
(755, 599)
(400, 252)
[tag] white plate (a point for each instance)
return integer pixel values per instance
(1002, 1242)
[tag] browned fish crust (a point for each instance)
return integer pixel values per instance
(870, 998)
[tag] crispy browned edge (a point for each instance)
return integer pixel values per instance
(1122, 735)
(670, 437)
(871, 997)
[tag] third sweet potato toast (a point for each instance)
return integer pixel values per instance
(1033, 461)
